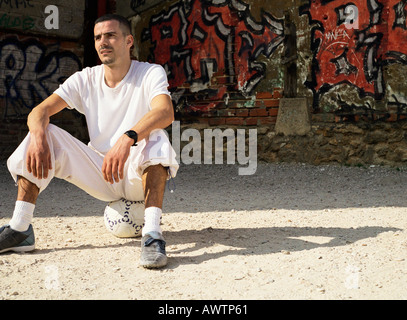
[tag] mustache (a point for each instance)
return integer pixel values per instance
(105, 47)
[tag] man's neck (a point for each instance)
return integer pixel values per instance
(114, 74)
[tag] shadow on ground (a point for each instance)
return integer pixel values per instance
(242, 241)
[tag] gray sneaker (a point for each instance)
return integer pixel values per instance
(153, 251)
(11, 240)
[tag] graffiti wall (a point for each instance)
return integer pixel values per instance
(38, 51)
(229, 62)
(207, 39)
(214, 52)
(218, 51)
(30, 72)
(353, 45)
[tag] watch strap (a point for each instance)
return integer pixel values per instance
(133, 135)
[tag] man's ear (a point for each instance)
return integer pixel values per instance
(130, 40)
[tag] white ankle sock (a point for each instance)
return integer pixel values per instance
(152, 218)
(22, 216)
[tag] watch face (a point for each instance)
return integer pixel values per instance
(132, 134)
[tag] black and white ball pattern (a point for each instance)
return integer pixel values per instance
(124, 218)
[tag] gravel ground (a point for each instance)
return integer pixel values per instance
(291, 231)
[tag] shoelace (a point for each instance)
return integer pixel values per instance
(171, 180)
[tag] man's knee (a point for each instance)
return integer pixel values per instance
(155, 175)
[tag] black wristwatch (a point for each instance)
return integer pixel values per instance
(132, 134)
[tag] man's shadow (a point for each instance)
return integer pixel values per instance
(245, 242)
(260, 241)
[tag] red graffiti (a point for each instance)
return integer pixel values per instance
(395, 15)
(340, 55)
(352, 41)
(196, 42)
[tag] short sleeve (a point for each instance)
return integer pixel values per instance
(70, 91)
(157, 82)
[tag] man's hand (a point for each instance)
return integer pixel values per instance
(38, 153)
(39, 156)
(113, 163)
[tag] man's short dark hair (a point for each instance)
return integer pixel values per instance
(124, 23)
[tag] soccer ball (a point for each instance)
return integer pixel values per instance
(124, 218)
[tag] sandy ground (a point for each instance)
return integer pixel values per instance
(291, 231)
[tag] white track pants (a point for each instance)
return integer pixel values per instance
(81, 165)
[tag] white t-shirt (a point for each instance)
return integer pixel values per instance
(110, 112)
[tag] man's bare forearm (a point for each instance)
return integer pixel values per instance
(38, 121)
(39, 117)
(160, 117)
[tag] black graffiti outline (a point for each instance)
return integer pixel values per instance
(348, 112)
(343, 66)
(400, 15)
(226, 33)
(401, 107)
(369, 41)
(42, 86)
(372, 65)
(17, 4)
(135, 4)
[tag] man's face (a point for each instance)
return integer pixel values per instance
(111, 44)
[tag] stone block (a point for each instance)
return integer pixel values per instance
(293, 117)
